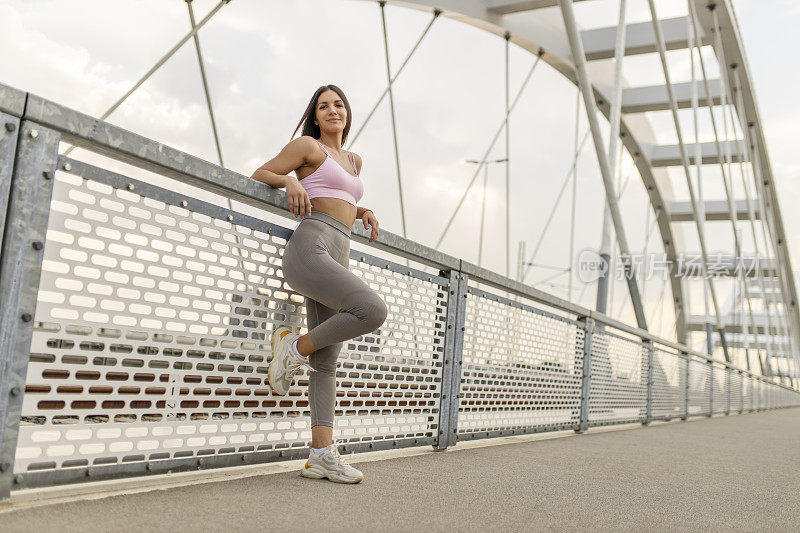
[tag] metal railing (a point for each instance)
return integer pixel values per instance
(134, 337)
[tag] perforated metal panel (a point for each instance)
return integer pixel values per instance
(747, 393)
(736, 391)
(757, 403)
(521, 366)
(699, 383)
(767, 395)
(618, 386)
(789, 398)
(669, 383)
(720, 383)
(152, 337)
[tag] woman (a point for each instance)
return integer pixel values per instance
(339, 305)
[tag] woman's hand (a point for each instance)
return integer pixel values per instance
(368, 218)
(296, 195)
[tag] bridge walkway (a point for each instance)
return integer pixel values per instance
(725, 473)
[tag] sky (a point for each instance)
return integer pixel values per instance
(265, 58)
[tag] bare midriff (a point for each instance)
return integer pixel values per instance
(339, 209)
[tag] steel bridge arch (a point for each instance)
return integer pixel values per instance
(546, 33)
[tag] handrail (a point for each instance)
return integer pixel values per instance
(107, 139)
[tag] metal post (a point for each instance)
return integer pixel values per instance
(574, 197)
(616, 110)
(748, 382)
(698, 161)
(711, 388)
(728, 388)
(20, 270)
(586, 374)
(508, 169)
(648, 417)
(453, 359)
(756, 395)
(685, 416)
(9, 126)
(483, 213)
(485, 165)
(741, 392)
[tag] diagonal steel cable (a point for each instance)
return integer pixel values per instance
(436, 13)
(528, 264)
(394, 121)
(685, 163)
(160, 62)
(751, 211)
(491, 145)
(203, 77)
(726, 91)
(388, 90)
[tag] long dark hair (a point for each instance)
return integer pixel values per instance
(311, 129)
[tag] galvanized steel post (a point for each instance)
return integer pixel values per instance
(685, 416)
(756, 388)
(728, 389)
(27, 212)
(9, 131)
(453, 357)
(586, 374)
(741, 391)
(710, 388)
(649, 407)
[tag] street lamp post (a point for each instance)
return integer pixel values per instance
(485, 164)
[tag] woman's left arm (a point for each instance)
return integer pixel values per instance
(369, 220)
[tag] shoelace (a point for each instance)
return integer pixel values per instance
(336, 453)
(293, 366)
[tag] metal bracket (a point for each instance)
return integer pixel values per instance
(30, 188)
(710, 389)
(453, 359)
(648, 417)
(728, 389)
(586, 375)
(685, 416)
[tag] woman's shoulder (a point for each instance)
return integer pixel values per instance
(306, 141)
(358, 161)
(309, 147)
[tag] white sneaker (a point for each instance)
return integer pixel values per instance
(284, 364)
(331, 465)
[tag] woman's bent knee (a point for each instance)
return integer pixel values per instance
(376, 313)
(368, 307)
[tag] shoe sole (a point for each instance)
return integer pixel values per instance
(311, 473)
(273, 339)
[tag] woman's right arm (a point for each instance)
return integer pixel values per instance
(275, 173)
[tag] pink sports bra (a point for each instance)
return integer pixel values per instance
(331, 180)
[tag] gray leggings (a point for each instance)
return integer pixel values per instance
(339, 305)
